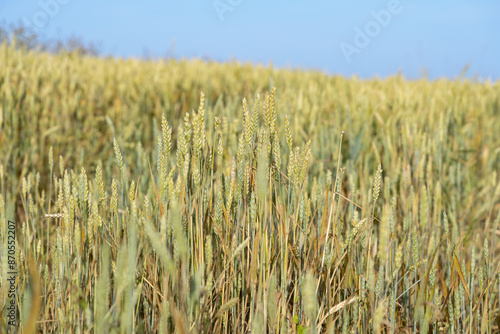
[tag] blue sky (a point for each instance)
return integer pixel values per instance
(340, 37)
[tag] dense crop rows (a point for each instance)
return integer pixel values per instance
(190, 196)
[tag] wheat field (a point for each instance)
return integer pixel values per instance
(189, 196)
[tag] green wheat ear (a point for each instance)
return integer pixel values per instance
(310, 298)
(376, 183)
(119, 158)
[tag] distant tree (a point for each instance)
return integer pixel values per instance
(25, 37)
